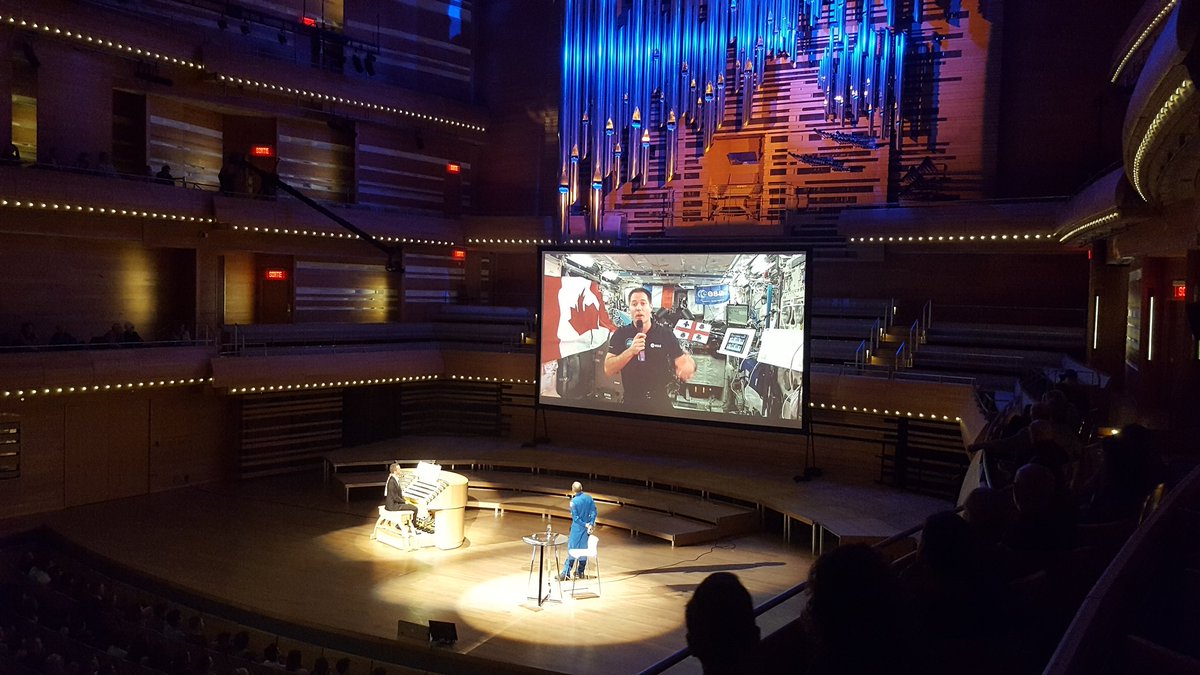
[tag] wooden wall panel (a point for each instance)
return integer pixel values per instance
(288, 432)
(106, 443)
(406, 168)
(74, 115)
(40, 487)
(105, 446)
(187, 138)
(345, 293)
(431, 280)
(240, 287)
(189, 431)
(98, 283)
(316, 159)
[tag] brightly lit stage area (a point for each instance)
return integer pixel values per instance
(293, 550)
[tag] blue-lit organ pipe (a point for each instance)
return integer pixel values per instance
(626, 77)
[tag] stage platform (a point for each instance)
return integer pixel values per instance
(291, 548)
(649, 483)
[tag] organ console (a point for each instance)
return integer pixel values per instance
(441, 497)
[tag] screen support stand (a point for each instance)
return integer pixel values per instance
(811, 470)
(538, 412)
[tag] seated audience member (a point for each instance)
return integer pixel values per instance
(855, 621)
(181, 334)
(1130, 469)
(194, 634)
(957, 591)
(27, 336)
(343, 666)
(104, 165)
(271, 656)
(721, 631)
(112, 337)
(1046, 518)
(164, 175)
(320, 666)
(989, 512)
(241, 646)
(1074, 391)
(61, 337)
(233, 176)
(294, 662)
(130, 335)
(14, 155)
(1017, 422)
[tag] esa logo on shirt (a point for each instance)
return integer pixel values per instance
(649, 345)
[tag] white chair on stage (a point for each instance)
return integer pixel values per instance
(400, 521)
(593, 564)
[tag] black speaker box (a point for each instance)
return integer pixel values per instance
(444, 632)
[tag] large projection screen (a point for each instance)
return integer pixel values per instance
(717, 336)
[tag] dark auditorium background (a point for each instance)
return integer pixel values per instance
(1034, 196)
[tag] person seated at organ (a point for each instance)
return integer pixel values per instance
(393, 494)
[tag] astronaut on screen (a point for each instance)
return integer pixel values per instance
(687, 335)
(647, 355)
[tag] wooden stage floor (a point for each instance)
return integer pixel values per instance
(289, 547)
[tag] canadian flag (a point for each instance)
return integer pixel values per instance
(575, 317)
(693, 331)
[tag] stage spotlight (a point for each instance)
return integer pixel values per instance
(369, 64)
(358, 64)
(245, 27)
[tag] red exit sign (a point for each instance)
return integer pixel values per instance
(262, 151)
(1179, 290)
(276, 275)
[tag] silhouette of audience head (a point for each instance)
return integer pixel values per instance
(721, 632)
(989, 512)
(1034, 489)
(947, 544)
(856, 613)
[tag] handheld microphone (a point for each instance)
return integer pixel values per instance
(642, 354)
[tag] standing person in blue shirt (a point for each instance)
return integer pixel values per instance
(583, 519)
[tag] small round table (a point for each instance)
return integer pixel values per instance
(540, 541)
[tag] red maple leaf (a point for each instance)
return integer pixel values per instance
(583, 318)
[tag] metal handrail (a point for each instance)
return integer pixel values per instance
(876, 334)
(926, 317)
(914, 334)
(903, 356)
(862, 355)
